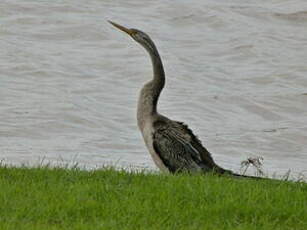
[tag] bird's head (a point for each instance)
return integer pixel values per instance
(137, 35)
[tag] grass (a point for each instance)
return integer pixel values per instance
(57, 198)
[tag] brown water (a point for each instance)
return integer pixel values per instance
(236, 73)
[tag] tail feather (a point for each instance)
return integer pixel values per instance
(235, 175)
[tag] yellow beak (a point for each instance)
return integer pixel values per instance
(128, 31)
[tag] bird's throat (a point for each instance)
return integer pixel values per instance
(149, 95)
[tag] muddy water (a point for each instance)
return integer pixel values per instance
(236, 73)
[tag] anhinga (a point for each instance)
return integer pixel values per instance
(172, 145)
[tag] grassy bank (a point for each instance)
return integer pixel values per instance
(42, 198)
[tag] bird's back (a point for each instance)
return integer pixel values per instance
(179, 149)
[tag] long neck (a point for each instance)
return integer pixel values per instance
(148, 99)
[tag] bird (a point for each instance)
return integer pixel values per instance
(172, 145)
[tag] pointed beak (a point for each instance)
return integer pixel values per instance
(128, 31)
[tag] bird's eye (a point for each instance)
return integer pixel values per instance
(138, 36)
(141, 36)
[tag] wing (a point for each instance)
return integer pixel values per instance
(179, 148)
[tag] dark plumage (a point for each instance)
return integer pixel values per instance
(172, 145)
(180, 150)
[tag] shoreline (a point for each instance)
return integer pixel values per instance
(59, 198)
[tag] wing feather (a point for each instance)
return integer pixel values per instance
(178, 148)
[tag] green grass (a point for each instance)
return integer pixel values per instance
(44, 198)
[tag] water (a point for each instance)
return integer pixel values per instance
(236, 73)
